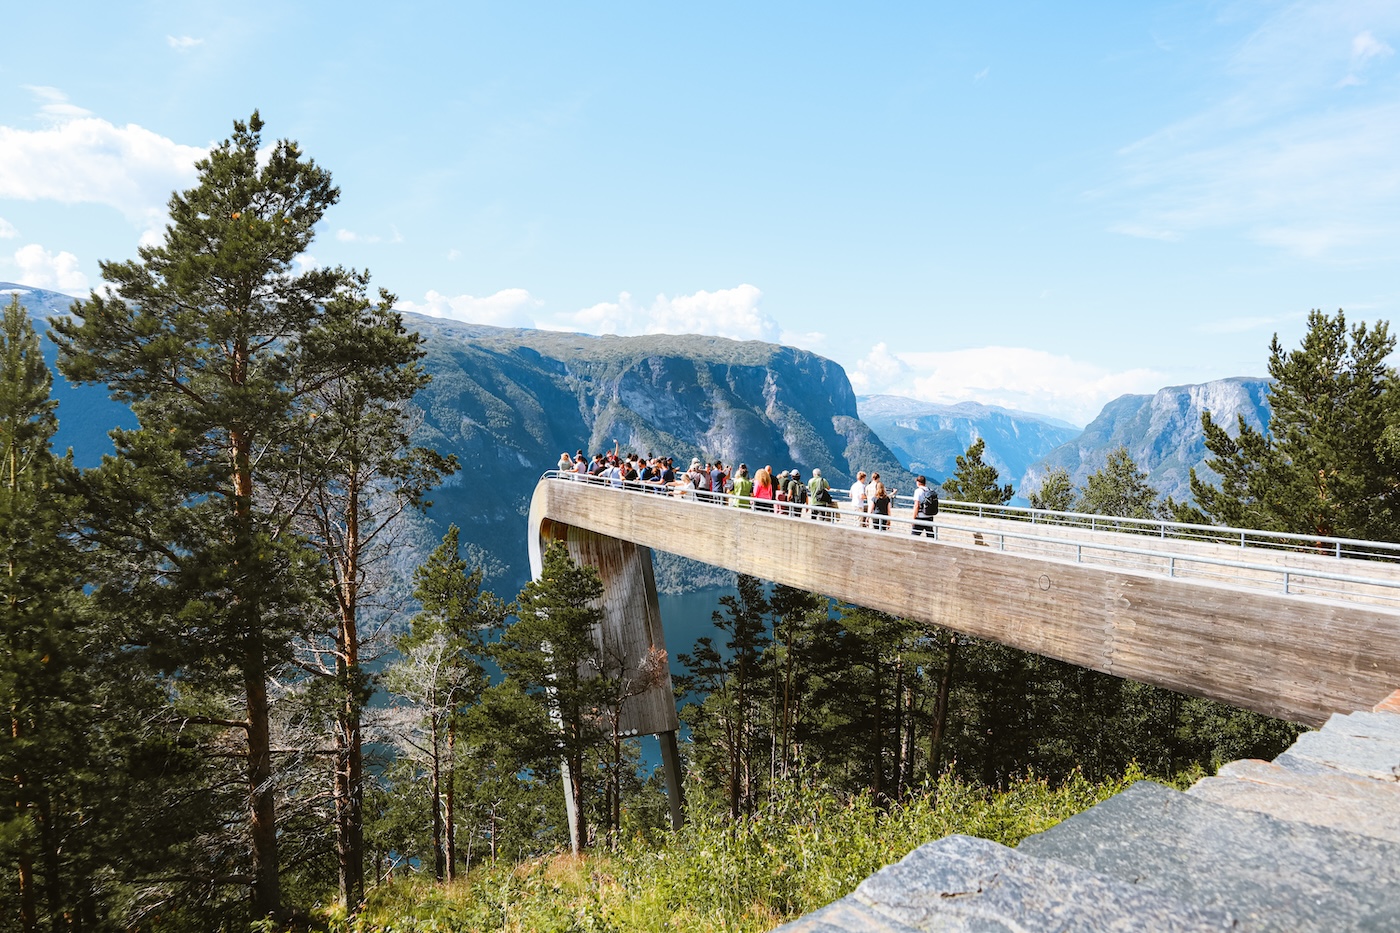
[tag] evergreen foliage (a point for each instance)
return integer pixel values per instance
(1056, 492)
(1328, 464)
(976, 481)
(1120, 489)
(265, 395)
(551, 654)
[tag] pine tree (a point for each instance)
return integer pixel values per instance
(727, 725)
(975, 480)
(35, 654)
(1327, 464)
(457, 619)
(1119, 489)
(216, 340)
(1056, 492)
(359, 474)
(551, 653)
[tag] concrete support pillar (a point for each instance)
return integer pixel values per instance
(671, 765)
(630, 631)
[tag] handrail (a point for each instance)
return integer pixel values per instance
(1178, 563)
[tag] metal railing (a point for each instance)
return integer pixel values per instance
(1371, 579)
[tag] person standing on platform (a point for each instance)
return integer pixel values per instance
(743, 487)
(925, 507)
(860, 498)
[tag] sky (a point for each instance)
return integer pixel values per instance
(1037, 205)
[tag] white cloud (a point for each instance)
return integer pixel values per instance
(39, 268)
(1283, 157)
(726, 312)
(182, 43)
(81, 159)
(509, 307)
(7, 230)
(1365, 46)
(54, 105)
(350, 236)
(1012, 377)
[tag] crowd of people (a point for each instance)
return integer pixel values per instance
(786, 493)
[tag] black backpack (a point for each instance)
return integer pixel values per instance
(797, 492)
(929, 507)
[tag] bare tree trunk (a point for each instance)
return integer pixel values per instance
(439, 855)
(451, 801)
(940, 709)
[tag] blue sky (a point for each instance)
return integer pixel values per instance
(1039, 205)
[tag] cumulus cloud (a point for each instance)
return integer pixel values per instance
(1012, 377)
(39, 268)
(182, 43)
(81, 159)
(726, 312)
(509, 307)
(7, 230)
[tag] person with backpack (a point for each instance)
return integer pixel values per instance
(796, 492)
(819, 494)
(925, 507)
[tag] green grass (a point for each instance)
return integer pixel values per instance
(802, 850)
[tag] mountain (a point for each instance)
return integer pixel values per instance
(506, 402)
(86, 413)
(928, 438)
(1162, 433)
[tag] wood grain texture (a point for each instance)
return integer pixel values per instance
(1296, 657)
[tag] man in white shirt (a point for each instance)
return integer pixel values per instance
(860, 500)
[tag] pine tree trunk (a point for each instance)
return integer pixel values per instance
(28, 907)
(349, 777)
(940, 709)
(262, 807)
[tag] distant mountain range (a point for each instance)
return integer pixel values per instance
(929, 438)
(1162, 433)
(507, 402)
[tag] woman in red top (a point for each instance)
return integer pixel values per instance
(763, 490)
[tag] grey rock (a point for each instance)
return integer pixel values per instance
(1333, 798)
(1269, 874)
(1371, 757)
(1365, 725)
(969, 885)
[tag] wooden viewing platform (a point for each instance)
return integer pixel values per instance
(1297, 634)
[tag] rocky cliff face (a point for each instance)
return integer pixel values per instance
(508, 402)
(929, 438)
(1162, 432)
